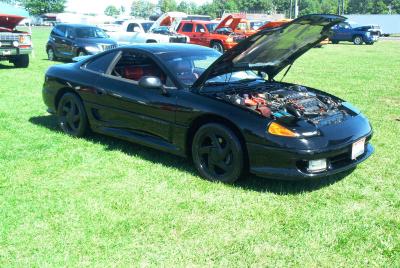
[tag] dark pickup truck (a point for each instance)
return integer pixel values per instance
(356, 34)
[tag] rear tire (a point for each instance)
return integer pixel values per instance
(357, 40)
(217, 46)
(72, 116)
(217, 153)
(21, 61)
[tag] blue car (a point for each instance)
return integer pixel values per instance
(357, 34)
(67, 41)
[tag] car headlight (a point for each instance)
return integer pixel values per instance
(229, 40)
(278, 130)
(24, 39)
(367, 33)
(92, 49)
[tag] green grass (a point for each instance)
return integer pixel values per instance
(103, 202)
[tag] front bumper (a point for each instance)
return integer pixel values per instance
(4, 52)
(286, 164)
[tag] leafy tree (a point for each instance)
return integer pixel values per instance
(167, 5)
(142, 8)
(38, 7)
(111, 11)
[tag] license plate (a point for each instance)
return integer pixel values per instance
(6, 52)
(358, 148)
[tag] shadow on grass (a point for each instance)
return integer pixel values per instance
(2, 66)
(250, 183)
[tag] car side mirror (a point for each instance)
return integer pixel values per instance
(150, 82)
(202, 31)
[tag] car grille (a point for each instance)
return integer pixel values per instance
(108, 47)
(177, 39)
(6, 44)
(9, 37)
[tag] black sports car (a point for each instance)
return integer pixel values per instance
(225, 111)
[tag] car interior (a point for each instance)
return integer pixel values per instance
(135, 66)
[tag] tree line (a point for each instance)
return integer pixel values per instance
(215, 8)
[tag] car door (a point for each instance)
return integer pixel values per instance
(58, 35)
(69, 42)
(343, 32)
(200, 34)
(125, 106)
(187, 28)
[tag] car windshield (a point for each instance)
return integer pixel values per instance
(211, 26)
(146, 26)
(187, 65)
(90, 32)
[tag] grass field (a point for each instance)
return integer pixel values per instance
(103, 202)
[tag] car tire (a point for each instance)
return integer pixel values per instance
(21, 61)
(51, 56)
(72, 117)
(357, 40)
(217, 46)
(217, 153)
(335, 42)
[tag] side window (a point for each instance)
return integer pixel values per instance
(187, 28)
(133, 66)
(59, 31)
(70, 33)
(101, 64)
(200, 28)
(133, 27)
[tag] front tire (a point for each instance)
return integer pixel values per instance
(72, 117)
(357, 40)
(217, 153)
(51, 56)
(217, 46)
(21, 61)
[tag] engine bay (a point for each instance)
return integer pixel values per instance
(287, 102)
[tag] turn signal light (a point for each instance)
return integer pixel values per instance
(276, 129)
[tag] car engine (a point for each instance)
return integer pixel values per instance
(280, 101)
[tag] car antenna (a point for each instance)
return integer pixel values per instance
(287, 70)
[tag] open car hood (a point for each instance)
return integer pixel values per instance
(171, 19)
(229, 21)
(9, 21)
(271, 50)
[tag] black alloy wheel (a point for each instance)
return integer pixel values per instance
(72, 115)
(217, 153)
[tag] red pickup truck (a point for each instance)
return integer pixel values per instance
(220, 36)
(15, 46)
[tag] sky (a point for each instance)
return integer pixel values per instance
(98, 6)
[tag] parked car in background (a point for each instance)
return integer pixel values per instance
(67, 41)
(220, 36)
(354, 33)
(143, 31)
(15, 46)
(217, 109)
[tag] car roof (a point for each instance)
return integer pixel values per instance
(75, 25)
(165, 48)
(199, 21)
